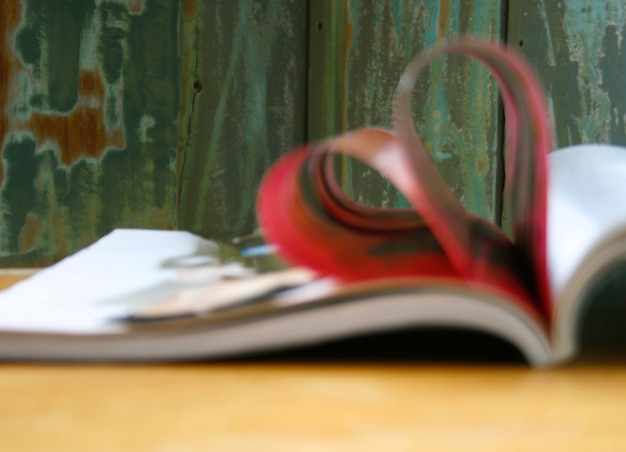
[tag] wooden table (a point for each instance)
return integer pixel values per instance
(310, 407)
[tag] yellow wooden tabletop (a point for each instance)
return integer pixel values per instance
(310, 407)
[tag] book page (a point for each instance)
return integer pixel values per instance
(586, 229)
(587, 203)
(303, 211)
(75, 295)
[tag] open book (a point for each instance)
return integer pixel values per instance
(169, 295)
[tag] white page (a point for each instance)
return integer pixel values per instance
(81, 293)
(586, 204)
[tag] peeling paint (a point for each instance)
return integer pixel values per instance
(146, 123)
(575, 46)
(163, 113)
(445, 11)
(135, 6)
(80, 133)
(89, 130)
(252, 67)
(10, 18)
(456, 109)
(30, 233)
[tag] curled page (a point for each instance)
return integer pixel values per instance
(302, 209)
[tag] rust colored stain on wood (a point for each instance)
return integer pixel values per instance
(81, 132)
(30, 233)
(79, 79)
(10, 17)
(190, 8)
(135, 6)
(445, 11)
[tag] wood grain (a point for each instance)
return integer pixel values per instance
(164, 114)
(310, 407)
(576, 47)
(252, 66)
(365, 46)
(10, 276)
(88, 131)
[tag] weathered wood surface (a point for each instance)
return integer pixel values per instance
(252, 66)
(366, 45)
(165, 113)
(578, 50)
(138, 113)
(89, 105)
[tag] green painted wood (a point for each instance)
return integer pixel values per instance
(88, 131)
(327, 69)
(369, 42)
(166, 113)
(577, 48)
(252, 66)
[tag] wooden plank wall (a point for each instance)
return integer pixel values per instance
(252, 65)
(367, 44)
(166, 113)
(141, 113)
(577, 48)
(88, 129)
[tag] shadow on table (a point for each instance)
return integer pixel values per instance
(428, 346)
(423, 345)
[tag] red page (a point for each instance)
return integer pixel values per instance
(302, 209)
